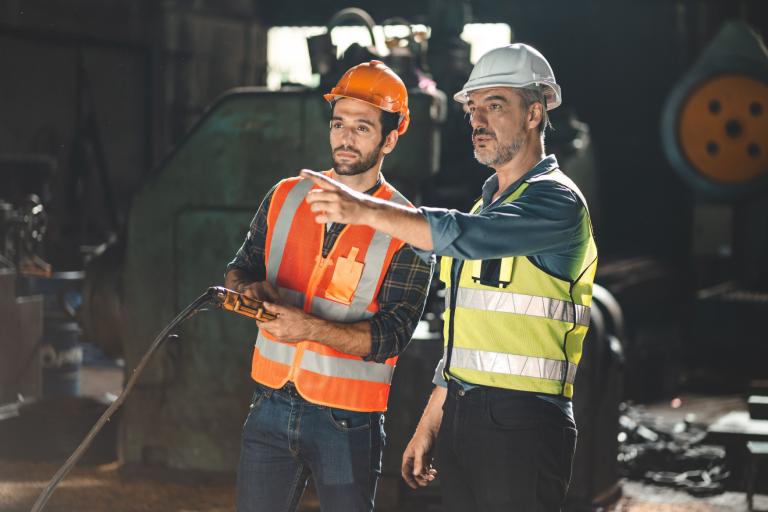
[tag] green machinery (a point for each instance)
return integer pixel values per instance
(185, 225)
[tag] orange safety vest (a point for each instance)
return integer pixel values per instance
(342, 287)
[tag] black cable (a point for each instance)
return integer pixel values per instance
(187, 313)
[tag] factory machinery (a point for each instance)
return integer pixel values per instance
(186, 411)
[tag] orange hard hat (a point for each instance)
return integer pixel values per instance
(374, 83)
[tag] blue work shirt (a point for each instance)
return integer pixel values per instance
(545, 224)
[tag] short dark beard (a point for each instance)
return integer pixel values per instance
(365, 163)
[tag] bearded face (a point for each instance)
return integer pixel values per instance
(498, 121)
(355, 136)
(492, 152)
(349, 160)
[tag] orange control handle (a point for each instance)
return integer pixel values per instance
(233, 301)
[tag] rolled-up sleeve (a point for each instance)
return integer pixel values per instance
(401, 301)
(438, 379)
(547, 219)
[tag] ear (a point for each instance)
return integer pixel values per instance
(535, 115)
(390, 142)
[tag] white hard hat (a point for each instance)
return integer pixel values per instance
(516, 65)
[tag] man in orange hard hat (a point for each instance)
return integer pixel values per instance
(347, 299)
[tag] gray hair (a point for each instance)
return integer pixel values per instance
(535, 94)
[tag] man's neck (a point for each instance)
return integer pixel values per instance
(511, 171)
(360, 182)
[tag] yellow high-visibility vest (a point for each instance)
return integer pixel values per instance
(525, 330)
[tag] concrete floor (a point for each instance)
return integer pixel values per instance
(106, 488)
(103, 488)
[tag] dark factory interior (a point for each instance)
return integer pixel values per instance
(138, 138)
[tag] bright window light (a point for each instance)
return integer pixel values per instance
(288, 57)
(484, 37)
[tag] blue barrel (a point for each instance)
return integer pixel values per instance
(61, 356)
(61, 353)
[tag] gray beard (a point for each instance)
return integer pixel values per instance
(504, 153)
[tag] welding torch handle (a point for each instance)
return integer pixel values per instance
(239, 303)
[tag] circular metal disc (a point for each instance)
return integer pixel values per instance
(723, 129)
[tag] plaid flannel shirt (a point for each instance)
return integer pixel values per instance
(401, 297)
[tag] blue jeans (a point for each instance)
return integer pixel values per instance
(286, 439)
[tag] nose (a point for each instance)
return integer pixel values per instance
(347, 135)
(477, 119)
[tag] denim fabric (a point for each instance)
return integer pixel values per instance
(500, 451)
(286, 439)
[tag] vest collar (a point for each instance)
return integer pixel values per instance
(491, 185)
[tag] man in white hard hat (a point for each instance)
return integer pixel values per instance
(518, 271)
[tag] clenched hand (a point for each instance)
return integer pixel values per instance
(291, 325)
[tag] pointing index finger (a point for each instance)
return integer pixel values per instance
(319, 179)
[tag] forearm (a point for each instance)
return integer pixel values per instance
(542, 221)
(353, 338)
(402, 222)
(433, 413)
(291, 324)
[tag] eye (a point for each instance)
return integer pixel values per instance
(362, 129)
(336, 125)
(494, 106)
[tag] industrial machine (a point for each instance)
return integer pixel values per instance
(185, 225)
(715, 134)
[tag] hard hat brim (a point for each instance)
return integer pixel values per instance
(405, 120)
(554, 98)
(330, 98)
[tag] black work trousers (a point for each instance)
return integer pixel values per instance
(501, 450)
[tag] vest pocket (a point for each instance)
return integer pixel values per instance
(346, 276)
(496, 273)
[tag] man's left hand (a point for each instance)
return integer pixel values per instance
(291, 325)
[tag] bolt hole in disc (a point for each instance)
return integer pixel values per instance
(722, 129)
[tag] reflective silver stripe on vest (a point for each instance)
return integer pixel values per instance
(373, 269)
(399, 198)
(325, 365)
(346, 368)
(337, 312)
(529, 305)
(283, 226)
(278, 352)
(511, 364)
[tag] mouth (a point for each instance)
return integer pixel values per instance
(482, 140)
(348, 155)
